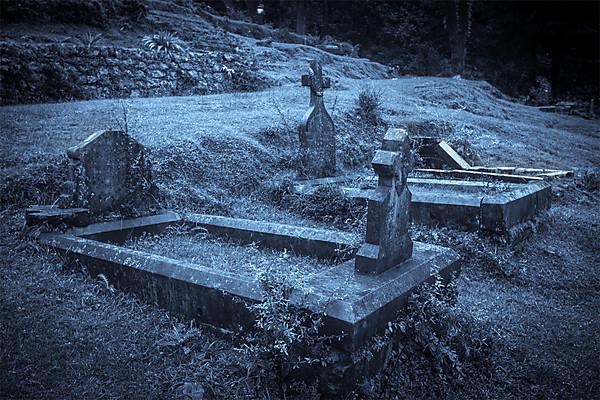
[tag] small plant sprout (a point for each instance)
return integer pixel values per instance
(89, 39)
(229, 72)
(163, 41)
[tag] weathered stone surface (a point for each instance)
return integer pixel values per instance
(55, 216)
(388, 242)
(105, 72)
(502, 211)
(111, 173)
(120, 231)
(317, 132)
(318, 243)
(356, 306)
(188, 290)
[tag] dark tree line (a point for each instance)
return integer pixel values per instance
(513, 44)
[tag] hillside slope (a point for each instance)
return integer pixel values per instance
(47, 59)
(520, 322)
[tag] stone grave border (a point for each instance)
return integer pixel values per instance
(489, 212)
(368, 302)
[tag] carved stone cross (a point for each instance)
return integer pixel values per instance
(388, 242)
(317, 132)
(316, 82)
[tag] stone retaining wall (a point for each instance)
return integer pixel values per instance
(36, 73)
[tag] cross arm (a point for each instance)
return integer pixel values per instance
(307, 81)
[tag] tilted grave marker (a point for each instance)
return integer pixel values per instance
(388, 241)
(110, 172)
(317, 132)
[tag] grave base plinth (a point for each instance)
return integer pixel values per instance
(356, 307)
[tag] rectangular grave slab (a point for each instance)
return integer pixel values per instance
(318, 243)
(471, 205)
(357, 306)
(501, 211)
(365, 302)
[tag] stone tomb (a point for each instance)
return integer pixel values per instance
(317, 132)
(110, 172)
(489, 205)
(471, 205)
(357, 305)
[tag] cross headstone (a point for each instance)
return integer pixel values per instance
(110, 172)
(388, 242)
(317, 132)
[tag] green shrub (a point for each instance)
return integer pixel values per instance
(368, 106)
(286, 337)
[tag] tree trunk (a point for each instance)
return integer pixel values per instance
(557, 59)
(324, 18)
(457, 26)
(301, 17)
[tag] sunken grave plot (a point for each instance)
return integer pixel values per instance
(223, 254)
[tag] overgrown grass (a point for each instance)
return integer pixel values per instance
(199, 247)
(368, 106)
(436, 349)
(327, 204)
(41, 181)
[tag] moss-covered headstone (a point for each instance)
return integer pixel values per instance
(110, 173)
(388, 241)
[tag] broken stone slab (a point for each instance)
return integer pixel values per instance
(53, 215)
(110, 172)
(318, 243)
(474, 174)
(451, 157)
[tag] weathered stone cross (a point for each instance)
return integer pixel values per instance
(316, 82)
(388, 241)
(317, 132)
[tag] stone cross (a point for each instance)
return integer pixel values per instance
(317, 132)
(388, 242)
(316, 82)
